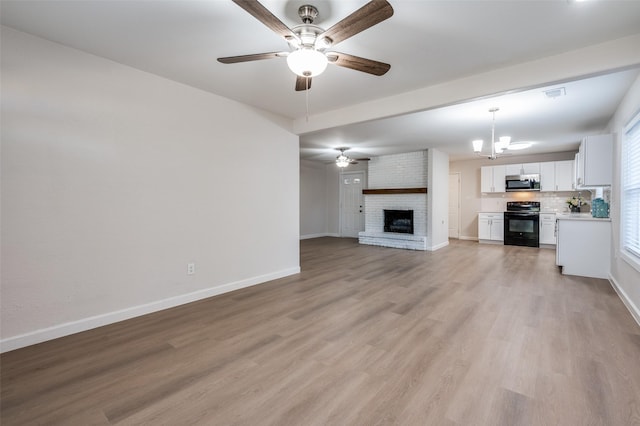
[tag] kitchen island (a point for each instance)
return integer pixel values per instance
(583, 245)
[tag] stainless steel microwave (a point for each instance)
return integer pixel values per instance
(522, 183)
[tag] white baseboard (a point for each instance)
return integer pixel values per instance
(462, 237)
(633, 309)
(309, 236)
(438, 246)
(84, 324)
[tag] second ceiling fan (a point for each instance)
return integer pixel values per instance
(343, 160)
(310, 43)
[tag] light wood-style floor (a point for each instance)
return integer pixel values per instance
(468, 335)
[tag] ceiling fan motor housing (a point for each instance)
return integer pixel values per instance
(307, 13)
(308, 34)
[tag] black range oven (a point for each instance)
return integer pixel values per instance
(522, 223)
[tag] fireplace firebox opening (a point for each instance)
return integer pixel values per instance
(398, 221)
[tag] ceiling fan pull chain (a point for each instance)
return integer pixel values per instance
(306, 96)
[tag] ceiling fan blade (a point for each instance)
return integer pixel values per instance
(262, 14)
(254, 57)
(367, 16)
(303, 83)
(357, 63)
(362, 159)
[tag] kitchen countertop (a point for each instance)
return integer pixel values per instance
(565, 216)
(504, 211)
(581, 216)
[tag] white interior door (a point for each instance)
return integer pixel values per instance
(351, 203)
(454, 205)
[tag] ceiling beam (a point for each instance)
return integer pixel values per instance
(590, 61)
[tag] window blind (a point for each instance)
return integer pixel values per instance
(630, 200)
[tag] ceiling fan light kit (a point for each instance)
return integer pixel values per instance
(343, 160)
(307, 62)
(309, 42)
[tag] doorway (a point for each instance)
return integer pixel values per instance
(454, 205)
(351, 203)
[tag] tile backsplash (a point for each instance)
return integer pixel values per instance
(549, 201)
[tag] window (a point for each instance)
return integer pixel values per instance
(630, 193)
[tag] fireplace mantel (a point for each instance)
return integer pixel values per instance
(389, 191)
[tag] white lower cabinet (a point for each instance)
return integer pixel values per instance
(491, 227)
(548, 228)
(584, 246)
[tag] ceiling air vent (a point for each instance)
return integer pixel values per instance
(555, 93)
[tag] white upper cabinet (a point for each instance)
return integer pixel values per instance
(531, 168)
(523, 169)
(557, 176)
(595, 162)
(492, 179)
(498, 179)
(548, 176)
(565, 176)
(513, 169)
(554, 175)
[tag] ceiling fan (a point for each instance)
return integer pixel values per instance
(343, 160)
(309, 43)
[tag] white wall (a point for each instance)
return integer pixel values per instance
(320, 198)
(114, 179)
(625, 278)
(437, 200)
(313, 199)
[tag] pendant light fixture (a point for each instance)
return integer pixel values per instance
(497, 147)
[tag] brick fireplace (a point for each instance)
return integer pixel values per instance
(396, 182)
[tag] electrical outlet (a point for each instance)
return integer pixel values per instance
(191, 268)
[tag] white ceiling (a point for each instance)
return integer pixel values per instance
(552, 124)
(426, 43)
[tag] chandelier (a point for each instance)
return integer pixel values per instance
(497, 147)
